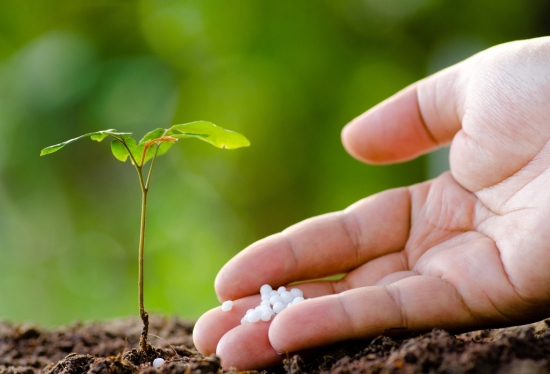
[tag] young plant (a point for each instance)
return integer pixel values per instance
(155, 143)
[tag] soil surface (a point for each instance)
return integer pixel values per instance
(110, 348)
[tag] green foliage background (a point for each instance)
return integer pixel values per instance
(288, 74)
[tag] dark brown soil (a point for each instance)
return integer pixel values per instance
(109, 348)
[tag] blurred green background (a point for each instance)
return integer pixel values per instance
(287, 73)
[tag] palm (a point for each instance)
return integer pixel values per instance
(460, 240)
(467, 249)
(496, 206)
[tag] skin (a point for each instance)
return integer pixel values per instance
(469, 249)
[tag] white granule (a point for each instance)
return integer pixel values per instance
(265, 289)
(157, 362)
(273, 302)
(227, 305)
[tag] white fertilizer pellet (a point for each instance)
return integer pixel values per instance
(279, 307)
(297, 292)
(254, 316)
(157, 362)
(265, 289)
(227, 305)
(266, 316)
(287, 297)
(273, 302)
(275, 299)
(297, 300)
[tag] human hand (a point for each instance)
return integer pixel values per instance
(466, 250)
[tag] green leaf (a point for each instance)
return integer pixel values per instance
(121, 152)
(131, 143)
(156, 133)
(210, 133)
(97, 136)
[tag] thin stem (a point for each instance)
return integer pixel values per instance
(153, 163)
(144, 184)
(148, 181)
(144, 189)
(143, 314)
(136, 165)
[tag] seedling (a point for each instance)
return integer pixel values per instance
(155, 143)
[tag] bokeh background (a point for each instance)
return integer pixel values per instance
(286, 73)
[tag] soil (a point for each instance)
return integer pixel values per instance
(109, 348)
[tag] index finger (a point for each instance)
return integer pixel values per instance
(318, 247)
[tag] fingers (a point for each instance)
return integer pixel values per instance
(419, 118)
(212, 325)
(326, 245)
(247, 347)
(414, 303)
(372, 272)
(241, 346)
(378, 271)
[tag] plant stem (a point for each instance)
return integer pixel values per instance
(143, 314)
(144, 189)
(144, 184)
(153, 159)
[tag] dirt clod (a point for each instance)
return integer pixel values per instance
(73, 363)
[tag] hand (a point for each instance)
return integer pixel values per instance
(467, 250)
